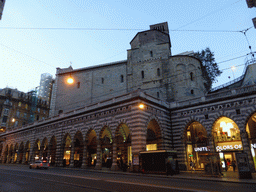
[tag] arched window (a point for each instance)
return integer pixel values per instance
(151, 53)
(122, 78)
(142, 74)
(158, 72)
(192, 91)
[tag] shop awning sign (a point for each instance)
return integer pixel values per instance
(199, 149)
(230, 147)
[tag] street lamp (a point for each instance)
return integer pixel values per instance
(233, 68)
(70, 80)
(13, 120)
(141, 106)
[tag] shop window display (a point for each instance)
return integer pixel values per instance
(227, 141)
(197, 146)
(251, 131)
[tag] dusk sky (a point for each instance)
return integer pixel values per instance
(38, 36)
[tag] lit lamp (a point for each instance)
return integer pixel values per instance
(233, 68)
(70, 80)
(13, 120)
(141, 106)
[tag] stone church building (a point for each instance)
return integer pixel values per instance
(152, 101)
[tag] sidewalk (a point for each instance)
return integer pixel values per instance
(229, 176)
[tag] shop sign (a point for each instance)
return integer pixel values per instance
(228, 147)
(253, 146)
(198, 149)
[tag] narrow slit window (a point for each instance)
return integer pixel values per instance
(102, 80)
(158, 72)
(151, 53)
(158, 95)
(122, 78)
(78, 85)
(142, 74)
(192, 76)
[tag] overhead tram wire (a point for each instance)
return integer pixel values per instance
(66, 28)
(26, 55)
(217, 10)
(100, 29)
(244, 32)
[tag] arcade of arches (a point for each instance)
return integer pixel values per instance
(108, 148)
(226, 141)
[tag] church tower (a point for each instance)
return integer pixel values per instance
(149, 51)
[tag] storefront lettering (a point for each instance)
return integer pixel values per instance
(253, 146)
(228, 147)
(197, 149)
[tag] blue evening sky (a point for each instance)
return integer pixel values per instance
(27, 53)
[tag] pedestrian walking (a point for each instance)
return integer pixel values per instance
(192, 165)
(169, 168)
(234, 165)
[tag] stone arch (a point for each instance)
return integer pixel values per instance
(123, 144)
(227, 139)
(1, 150)
(192, 75)
(91, 142)
(16, 150)
(188, 122)
(154, 139)
(44, 149)
(52, 150)
(78, 149)
(6, 154)
(106, 145)
(196, 145)
(66, 146)
(180, 71)
(251, 136)
(11, 153)
(27, 152)
(36, 150)
(21, 152)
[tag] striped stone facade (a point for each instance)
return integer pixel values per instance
(237, 104)
(108, 114)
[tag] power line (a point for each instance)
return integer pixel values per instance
(66, 28)
(232, 59)
(112, 29)
(25, 54)
(215, 11)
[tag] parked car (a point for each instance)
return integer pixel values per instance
(39, 164)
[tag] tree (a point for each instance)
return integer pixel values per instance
(210, 68)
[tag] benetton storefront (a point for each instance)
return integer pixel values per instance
(227, 141)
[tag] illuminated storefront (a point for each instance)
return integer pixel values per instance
(227, 141)
(251, 130)
(197, 146)
(67, 151)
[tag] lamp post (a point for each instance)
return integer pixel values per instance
(233, 68)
